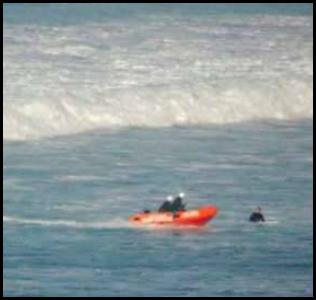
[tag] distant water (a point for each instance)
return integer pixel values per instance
(72, 68)
(110, 108)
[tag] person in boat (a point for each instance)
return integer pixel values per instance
(173, 204)
(177, 204)
(257, 216)
(166, 205)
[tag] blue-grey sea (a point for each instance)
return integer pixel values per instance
(109, 108)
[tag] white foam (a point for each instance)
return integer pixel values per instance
(65, 80)
(80, 178)
(114, 223)
(271, 221)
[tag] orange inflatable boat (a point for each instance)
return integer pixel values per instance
(195, 217)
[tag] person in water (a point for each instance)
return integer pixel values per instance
(257, 216)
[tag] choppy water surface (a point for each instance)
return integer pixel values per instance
(110, 108)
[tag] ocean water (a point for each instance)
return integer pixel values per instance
(110, 108)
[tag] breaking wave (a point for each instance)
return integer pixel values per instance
(162, 72)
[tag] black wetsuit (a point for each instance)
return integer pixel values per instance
(166, 206)
(177, 204)
(256, 217)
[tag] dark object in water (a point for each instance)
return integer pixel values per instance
(256, 217)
